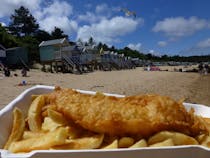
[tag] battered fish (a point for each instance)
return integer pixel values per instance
(141, 115)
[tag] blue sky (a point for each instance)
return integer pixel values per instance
(160, 27)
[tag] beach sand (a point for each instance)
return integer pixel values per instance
(193, 87)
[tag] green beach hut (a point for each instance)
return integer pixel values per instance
(17, 56)
(51, 50)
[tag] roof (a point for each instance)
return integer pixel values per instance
(52, 42)
(2, 47)
(13, 48)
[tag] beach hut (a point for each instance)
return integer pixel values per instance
(82, 56)
(71, 58)
(61, 55)
(2, 54)
(17, 57)
(51, 50)
(116, 61)
(89, 56)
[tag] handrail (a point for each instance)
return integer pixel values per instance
(68, 60)
(23, 62)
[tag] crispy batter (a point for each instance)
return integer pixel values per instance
(141, 115)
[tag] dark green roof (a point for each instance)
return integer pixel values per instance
(52, 42)
(13, 48)
(2, 47)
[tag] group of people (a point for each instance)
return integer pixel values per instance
(7, 72)
(203, 68)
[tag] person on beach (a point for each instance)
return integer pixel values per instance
(6, 72)
(200, 68)
(206, 69)
(24, 72)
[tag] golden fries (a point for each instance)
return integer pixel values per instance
(206, 141)
(34, 114)
(141, 143)
(92, 142)
(49, 124)
(177, 138)
(57, 117)
(17, 128)
(45, 141)
(113, 145)
(33, 97)
(125, 142)
(167, 142)
(29, 134)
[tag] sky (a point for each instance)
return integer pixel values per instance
(172, 27)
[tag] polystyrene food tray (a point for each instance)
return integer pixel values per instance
(23, 101)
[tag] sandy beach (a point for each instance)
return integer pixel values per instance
(193, 87)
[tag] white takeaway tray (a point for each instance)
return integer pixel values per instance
(23, 101)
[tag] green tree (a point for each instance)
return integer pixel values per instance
(165, 57)
(42, 35)
(32, 44)
(58, 33)
(6, 39)
(149, 56)
(112, 49)
(79, 41)
(22, 23)
(105, 47)
(91, 41)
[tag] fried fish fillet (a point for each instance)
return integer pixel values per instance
(141, 115)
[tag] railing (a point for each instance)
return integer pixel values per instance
(73, 62)
(76, 60)
(23, 62)
(68, 60)
(116, 62)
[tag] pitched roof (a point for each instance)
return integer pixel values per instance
(13, 48)
(52, 42)
(2, 47)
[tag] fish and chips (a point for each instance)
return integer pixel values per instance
(67, 120)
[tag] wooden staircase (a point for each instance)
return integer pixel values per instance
(73, 65)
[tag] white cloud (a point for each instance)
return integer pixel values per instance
(101, 8)
(151, 51)
(64, 23)
(204, 43)
(102, 11)
(90, 17)
(58, 8)
(48, 16)
(108, 30)
(162, 43)
(179, 26)
(103, 25)
(135, 46)
(7, 7)
(2, 24)
(56, 15)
